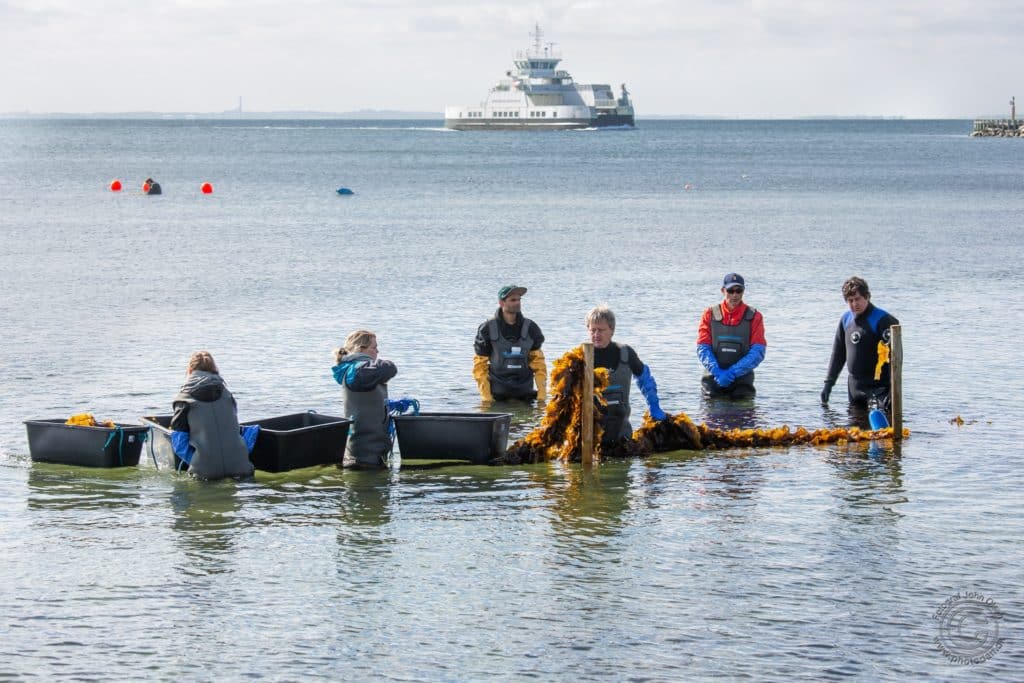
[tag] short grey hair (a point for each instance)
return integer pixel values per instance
(599, 314)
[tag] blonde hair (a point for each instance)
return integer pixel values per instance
(355, 342)
(202, 360)
(599, 314)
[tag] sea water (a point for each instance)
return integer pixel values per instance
(814, 562)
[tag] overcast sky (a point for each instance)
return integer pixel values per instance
(915, 58)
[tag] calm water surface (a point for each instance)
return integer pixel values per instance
(808, 562)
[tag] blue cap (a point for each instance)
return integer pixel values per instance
(733, 280)
(510, 289)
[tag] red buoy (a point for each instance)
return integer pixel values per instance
(206, 188)
(115, 185)
(145, 188)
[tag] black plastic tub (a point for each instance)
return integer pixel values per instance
(160, 448)
(289, 442)
(477, 437)
(55, 441)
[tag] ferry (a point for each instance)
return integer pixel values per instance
(537, 95)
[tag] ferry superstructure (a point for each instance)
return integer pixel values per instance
(537, 95)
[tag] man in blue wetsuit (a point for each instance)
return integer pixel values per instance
(861, 340)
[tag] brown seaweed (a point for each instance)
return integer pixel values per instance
(559, 435)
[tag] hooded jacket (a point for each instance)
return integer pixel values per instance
(206, 410)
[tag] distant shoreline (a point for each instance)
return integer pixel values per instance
(374, 115)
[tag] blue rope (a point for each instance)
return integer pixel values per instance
(120, 443)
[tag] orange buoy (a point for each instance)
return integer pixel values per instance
(145, 188)
(206, 188)
(115, 185)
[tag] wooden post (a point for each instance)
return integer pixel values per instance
(587, 406)
(896, 375)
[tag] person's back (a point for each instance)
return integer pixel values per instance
(363, 378)
(206, 410)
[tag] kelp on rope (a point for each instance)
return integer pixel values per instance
(558, 436)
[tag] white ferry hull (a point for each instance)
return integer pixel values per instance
(537, 95)
(607, 121)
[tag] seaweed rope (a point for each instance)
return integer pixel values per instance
(559, 435)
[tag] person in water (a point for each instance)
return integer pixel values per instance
(207, 412)
(151, 187)
(509, 360)
(364, 377)
(622, 364)
(861, 342)
(730, 343)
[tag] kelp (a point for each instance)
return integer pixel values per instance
(560, 432)
(559, 435)
(87, 420)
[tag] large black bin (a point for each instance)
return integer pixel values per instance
(55, 441)
(477, 437)
(289, 442)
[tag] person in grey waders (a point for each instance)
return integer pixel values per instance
(730, 343)
(364, 384)
(508, 360)
(622, 363)
(206, 413)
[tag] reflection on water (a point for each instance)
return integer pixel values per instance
(205, 519)
(65, 487)
(588, 503)
(870, 475)
(725, 413)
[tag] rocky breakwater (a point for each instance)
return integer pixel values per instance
(998, 128)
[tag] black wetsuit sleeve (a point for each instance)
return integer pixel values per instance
(482, 343)
(635, 365)
(835, 365)
(886, 322)
(373, 373)
(536, 335)
(179, 421)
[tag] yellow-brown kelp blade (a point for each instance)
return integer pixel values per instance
(559, 433)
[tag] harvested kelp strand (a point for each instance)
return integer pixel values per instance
(559, 435)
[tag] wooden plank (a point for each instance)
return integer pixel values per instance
(896, 374)
(587, 406)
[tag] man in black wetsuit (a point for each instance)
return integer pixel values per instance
(862, 338)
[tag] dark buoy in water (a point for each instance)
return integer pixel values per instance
(345, 191)
(115, 185)
(206, 188)
(151, 187)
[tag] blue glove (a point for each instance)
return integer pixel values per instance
(181, 446)
(403, 405)
(249, 435)
(649, 388)
(707, 358)
(725, 377)
(750, 361)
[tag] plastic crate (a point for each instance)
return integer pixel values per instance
(289, 442)
(477, 437)
(55, 441)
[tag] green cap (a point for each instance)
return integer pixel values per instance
(510, 289)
